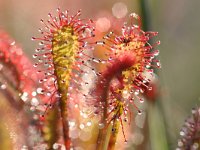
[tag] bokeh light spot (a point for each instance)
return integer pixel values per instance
(119, 10)
(103, 24)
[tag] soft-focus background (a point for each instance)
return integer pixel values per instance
(178, 24)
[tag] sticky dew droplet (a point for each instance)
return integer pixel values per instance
(156, 52)
(139, 112)
(136, 92)
(3, 86)
(81, 126)
(89, 123)
(101, 125)
(141, 100)
(35, 56)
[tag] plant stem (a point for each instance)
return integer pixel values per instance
(63, 90)
(64, 114)
(113, 136)
(102, 132)
(62, 71)
(51, 124)
(101, 140)
(103, 88)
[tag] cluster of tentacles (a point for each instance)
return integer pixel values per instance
(190, 132)
(128, 72)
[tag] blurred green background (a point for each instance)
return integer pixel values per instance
(177, 22)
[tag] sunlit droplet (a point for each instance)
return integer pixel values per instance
(39, 90)
(24, 96)
(82, 126)
(89, 123)
(1, 67)
(101, 125)
(13, 43)
(72, 123)
(34, 102)
(24, 147)
(34, 93)
(3, 86)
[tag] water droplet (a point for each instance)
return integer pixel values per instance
(41, 20)
(37, 50)
(125, 119)
(158, 43)
(136, 92)
(89, 123)
(110, 58)
(32, 108)
(182, 133)
(39, 90)
(141, 100)
(72, 123)
(139, 112)
(13, 43)
(24, 147)
(40, 60)
(82, 126)
(55, 146)
(100, 42)
(41, 43)
(58, 146)
(158, 64)
(76, 105)
(141, 90)
(34, 102)
(48, 94)
(85, 115)
(24, 96)
(125, 141)
(150, 88)
(35, 56)
(1, 67)
(134, 15)
(125, 92)
(156, 52)
(35, 65)
(33, 38)
(3, 86)
(148, 66)
(194, 111)
(101, 125)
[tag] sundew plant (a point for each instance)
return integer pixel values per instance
(66, 47)
(92, 85)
